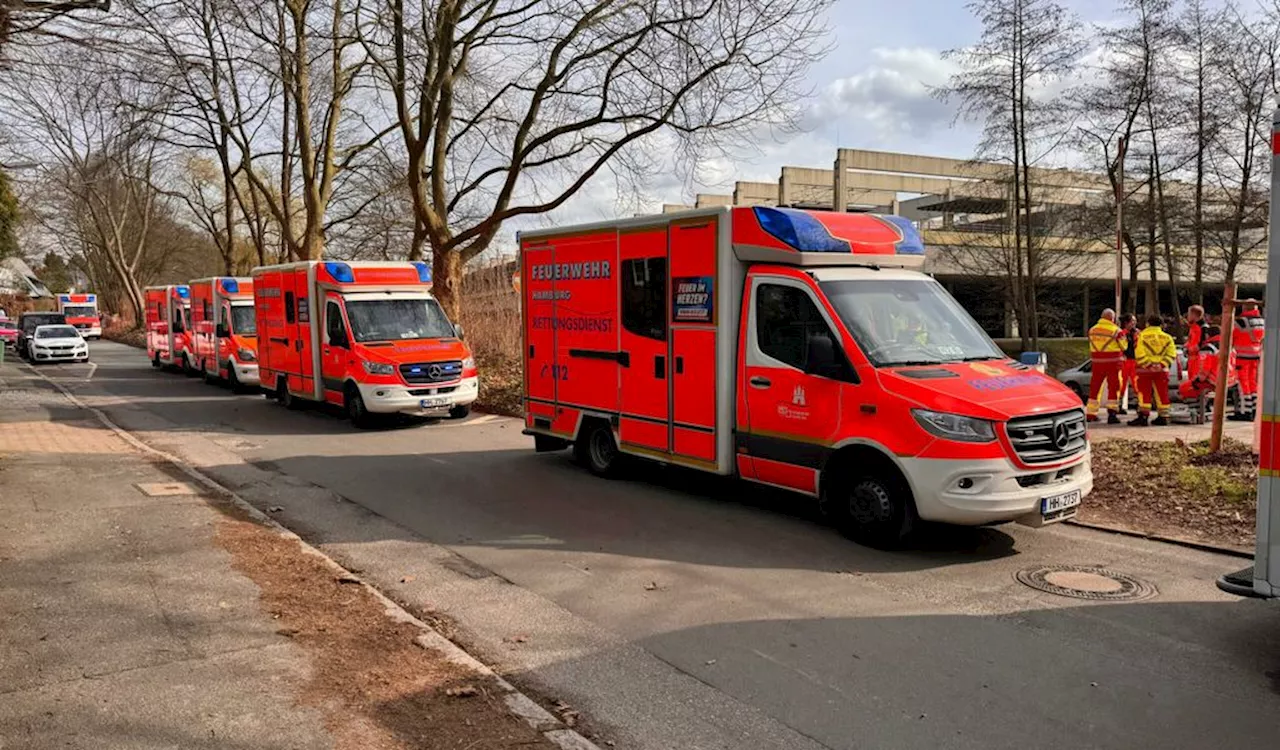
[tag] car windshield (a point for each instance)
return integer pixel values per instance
(84, 311)
(397, 319)
(8, 324)
(242, 321)
(56, 332)
(908, 322)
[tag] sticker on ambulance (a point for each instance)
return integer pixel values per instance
(692, 301)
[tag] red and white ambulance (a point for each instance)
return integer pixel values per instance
(168, 316)
(81, 311)
(364, 335)
(795, 349)
(224, 331)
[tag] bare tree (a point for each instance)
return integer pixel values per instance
(1025, 46)
(1199, 34)
(508, 108)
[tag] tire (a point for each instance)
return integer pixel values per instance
(209, 377)
(459, 412)
(353, 403)
(286, 399)
(155, 360)
(596, 449)
(233, 382)
(187, 369)
(871, 505)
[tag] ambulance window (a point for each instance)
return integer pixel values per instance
(786, 317)
(288, 307)
(334, 328)
(644, 297)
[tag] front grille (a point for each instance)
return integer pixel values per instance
(425, 373)
(1048, 438)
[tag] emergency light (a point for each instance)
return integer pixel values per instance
(854, 234)
(799, 229)
(424, 271)
(341, 272)
(182, 291)
(230, 286)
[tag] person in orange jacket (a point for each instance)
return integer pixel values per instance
(1196, 326)
(1129, 369)
(1156, 352)
(1246, 339)
(1106, 353)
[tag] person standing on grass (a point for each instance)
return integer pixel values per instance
(1156, 351)
(1129, 369)
(1107, 344)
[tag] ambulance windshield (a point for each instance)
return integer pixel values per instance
(243, 322)
(908, 322)
(79, 311)
(397, 319)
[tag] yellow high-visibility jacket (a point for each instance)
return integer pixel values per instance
(1106, 341)
(1155, 349)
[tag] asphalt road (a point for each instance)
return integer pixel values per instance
(681, 611)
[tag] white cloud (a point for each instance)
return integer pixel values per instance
(890, 100)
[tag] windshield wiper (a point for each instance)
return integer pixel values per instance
(982, 358)
(914, 363)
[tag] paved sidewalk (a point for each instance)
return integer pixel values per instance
(1188, 433)
(124, 625)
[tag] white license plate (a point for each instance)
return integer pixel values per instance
(438, 401)
(1056, 503)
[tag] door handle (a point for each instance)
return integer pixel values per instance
(759, 382)
(659, 367)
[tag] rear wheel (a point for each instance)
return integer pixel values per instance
(155, 360)
(187, 369)
(596, 449)
(871, 504)
(210, 378)
(287, 399)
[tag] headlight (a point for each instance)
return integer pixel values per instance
(469, 363)
(379, 368)
(246, 355)
(954, 426)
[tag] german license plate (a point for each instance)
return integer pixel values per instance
(438, 401)
(1056, 503)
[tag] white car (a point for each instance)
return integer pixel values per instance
(58, 343)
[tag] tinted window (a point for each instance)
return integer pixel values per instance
(288, 307)
(334, 327)
(644, 297)
(31, 322)
(57, 332)
(786, 317)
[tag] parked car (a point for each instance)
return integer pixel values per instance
(8, 333)
(29, 322)
(57, 343)
(1077, 379)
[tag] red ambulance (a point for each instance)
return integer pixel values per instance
(795, 349)
(168, 317)
(367, 336)
(81, 311)
(224, 331)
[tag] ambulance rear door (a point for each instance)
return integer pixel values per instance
(297, 298)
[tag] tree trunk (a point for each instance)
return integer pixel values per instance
(1153, 272)
(446, 281)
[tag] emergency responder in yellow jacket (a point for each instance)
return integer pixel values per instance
(1106, 352)
(1156, 351)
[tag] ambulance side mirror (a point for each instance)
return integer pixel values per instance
(457, 330)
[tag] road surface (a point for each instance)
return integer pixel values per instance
(682, 611)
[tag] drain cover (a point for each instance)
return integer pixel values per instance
(1086, 582)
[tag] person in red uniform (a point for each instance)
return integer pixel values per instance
(1129, 369)
(1246, 339)
(1107, 344)
(1196, 326)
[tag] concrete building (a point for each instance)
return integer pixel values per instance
(963, 210)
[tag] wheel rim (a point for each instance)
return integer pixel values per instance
(869, 503)
(602, 449)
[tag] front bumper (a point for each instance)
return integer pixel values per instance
(246, 372)
(70, 355)
(995, 493)
(393, 399)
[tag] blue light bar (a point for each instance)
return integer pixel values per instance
(64, 297)
(91, 298)
(230, 286)
(911, 242)
(799, 230)
(341, 272)
(424, 271)
(182, 291)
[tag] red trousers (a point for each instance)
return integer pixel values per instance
(1153, 385)
(1247, 376)
(1104, 372)
(1128, 381)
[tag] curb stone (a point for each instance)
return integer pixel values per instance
(1189, 543)
(519, 704)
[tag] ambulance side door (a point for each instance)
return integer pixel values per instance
(335, 349)
(793, 412)
(645, 398)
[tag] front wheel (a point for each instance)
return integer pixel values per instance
(233, 382)
(356, 410)
(596, 449)
(872, 507)
(459, 412)
(187, 369)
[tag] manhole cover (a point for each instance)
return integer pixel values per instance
(1086, 582)
(166, 489)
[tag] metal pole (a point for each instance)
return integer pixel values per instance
(1227, 329)
(1120, 225)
